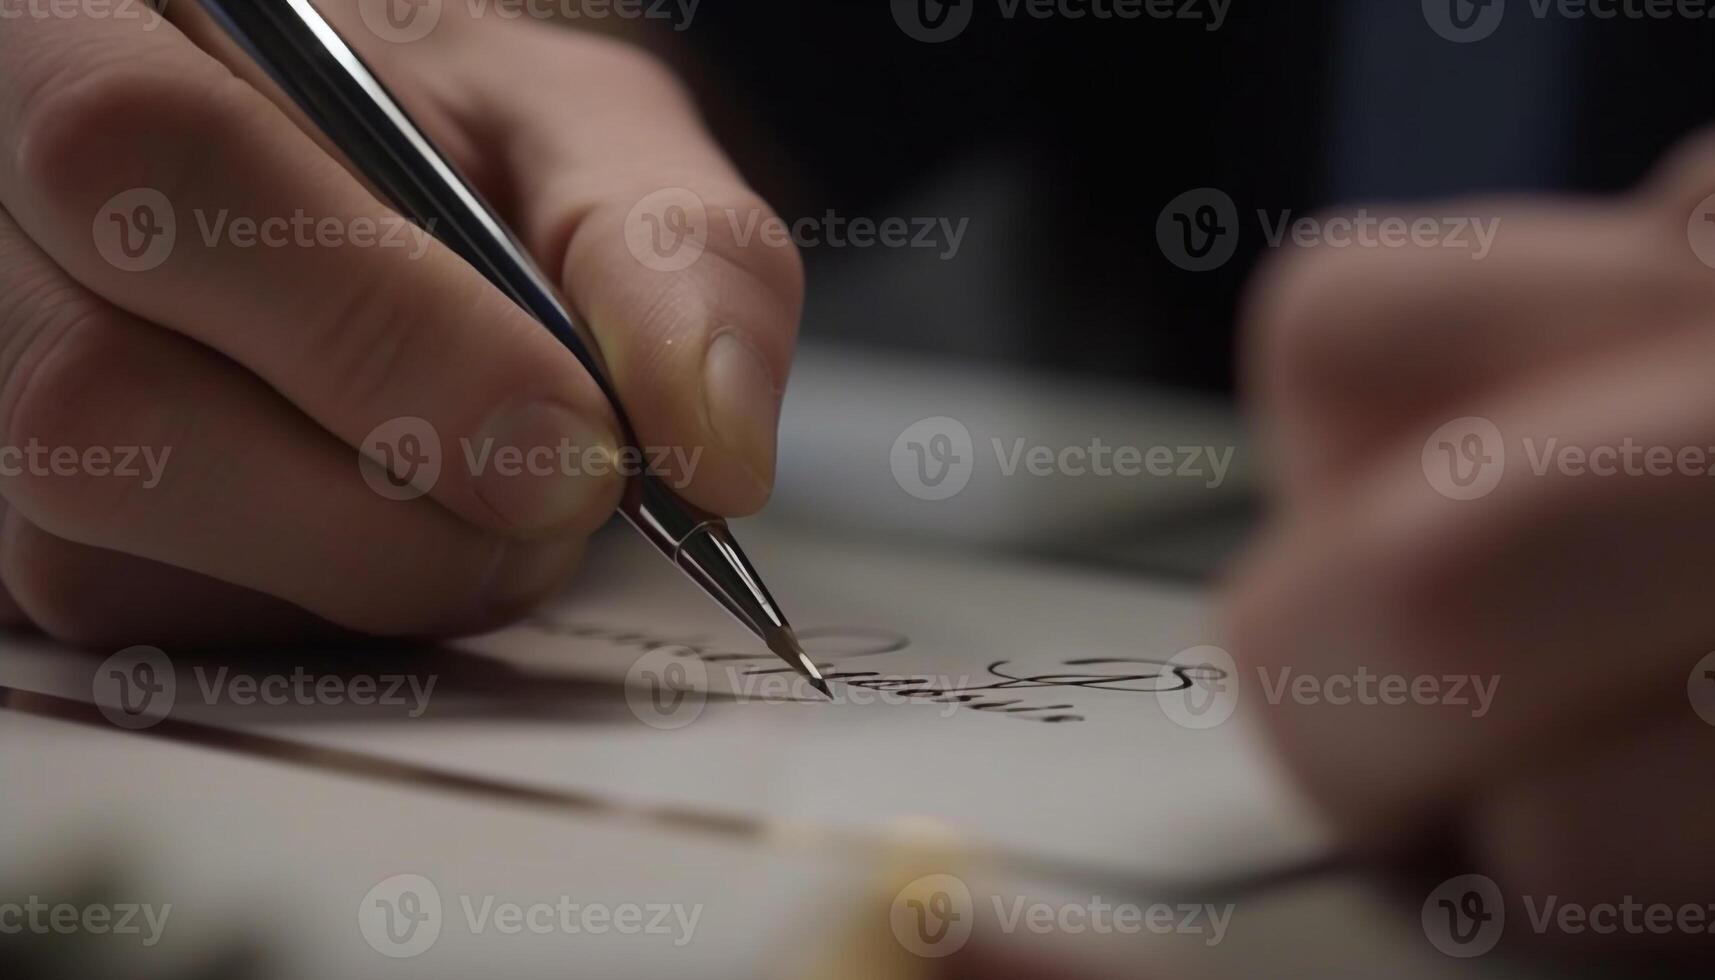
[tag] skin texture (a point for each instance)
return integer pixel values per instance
(264, 368)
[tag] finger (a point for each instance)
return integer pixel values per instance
(1572, 595)
(122, 436)
(98, 598)
(1626, 824)
(1350, 345)
(622, 191)
(280, 260)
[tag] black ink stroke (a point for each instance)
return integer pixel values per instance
(1155, 677)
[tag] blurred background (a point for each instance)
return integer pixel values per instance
(1039, 163)
(1062, 139)
(1066, 148)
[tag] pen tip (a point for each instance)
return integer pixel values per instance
(784, 643)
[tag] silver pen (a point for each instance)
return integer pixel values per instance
(320, 72)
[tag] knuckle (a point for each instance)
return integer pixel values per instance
(125, 122)
(1426, 583)
(52, 593)
(47, 389)
(630, 65)
(59, 401)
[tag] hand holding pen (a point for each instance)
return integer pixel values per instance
(190, 272)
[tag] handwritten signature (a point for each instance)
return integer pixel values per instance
(833, 646)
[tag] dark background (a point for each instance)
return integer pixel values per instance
(1062, 140)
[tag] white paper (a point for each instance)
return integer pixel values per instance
(1046, 776)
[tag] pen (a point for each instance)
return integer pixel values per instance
(307, 58)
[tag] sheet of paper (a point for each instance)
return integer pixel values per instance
(1038, 713)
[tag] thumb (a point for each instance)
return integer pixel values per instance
(683, 274)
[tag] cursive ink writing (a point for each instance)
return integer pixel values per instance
(832, 646)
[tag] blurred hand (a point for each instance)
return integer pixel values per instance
(1583, 598)
(253, 372)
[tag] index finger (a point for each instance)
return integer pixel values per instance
(259, 245)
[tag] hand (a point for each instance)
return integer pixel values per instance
(1582, 599)
(243, 377)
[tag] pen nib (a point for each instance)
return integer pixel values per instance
(785, 644)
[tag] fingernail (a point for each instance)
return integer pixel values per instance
(743, 403)
(541, 466)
